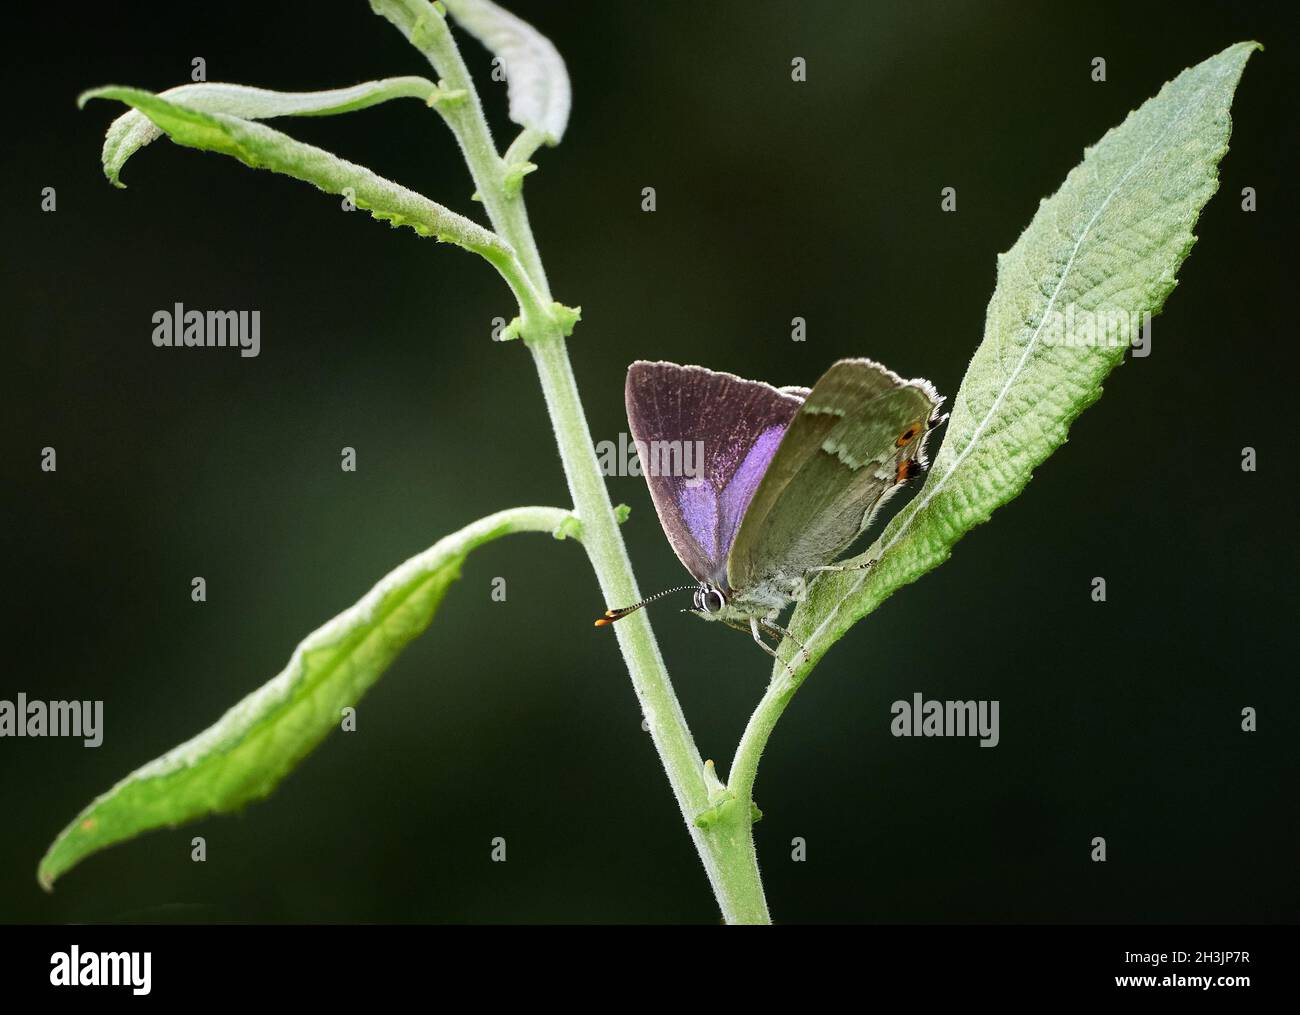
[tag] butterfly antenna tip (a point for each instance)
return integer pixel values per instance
(618, 614)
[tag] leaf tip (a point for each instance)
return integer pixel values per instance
(87, 95)
(1239, 52)
(46, 871)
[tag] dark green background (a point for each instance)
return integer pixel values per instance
(775, 200)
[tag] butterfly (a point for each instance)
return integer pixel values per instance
(759, 488)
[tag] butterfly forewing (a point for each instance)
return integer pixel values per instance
(845, 451)
(727, 429)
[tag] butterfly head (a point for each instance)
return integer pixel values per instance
(710, 602)
(709, 599)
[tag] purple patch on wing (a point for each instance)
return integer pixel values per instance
(740, 425)
(699, 504)
(740, 491)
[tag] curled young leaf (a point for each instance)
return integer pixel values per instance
(536, 78)
(261, 147)
(245, 754)
(133, 130)
(1105, 248)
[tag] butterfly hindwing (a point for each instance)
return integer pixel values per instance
(850, 445)
(728, 429)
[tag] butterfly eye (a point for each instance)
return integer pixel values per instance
(713, 601)
(907, 435)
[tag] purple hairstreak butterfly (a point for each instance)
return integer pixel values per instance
(786, 479)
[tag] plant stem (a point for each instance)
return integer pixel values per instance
(744, 767)
(727, 850)
(788, 675)
(726, 847)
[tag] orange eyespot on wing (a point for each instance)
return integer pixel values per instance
(908, 468)
(908, 435)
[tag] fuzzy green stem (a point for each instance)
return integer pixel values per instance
(788, 675)
(744, 767)
(727, 849)
(725, 845)
(523, 147)
(427, 30)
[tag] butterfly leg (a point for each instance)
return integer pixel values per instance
(865, 565)
(758, 640)
(773, 627)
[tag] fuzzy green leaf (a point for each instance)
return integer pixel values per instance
(261, 147)
(243, 756)
(536, 78)
(133, 130)
(1110, 240)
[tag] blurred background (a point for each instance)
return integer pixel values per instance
(775, 200)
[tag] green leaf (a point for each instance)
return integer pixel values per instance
(133, 130)
(245, 753)
(536, 78)
(263, 148)
(1111, 239)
